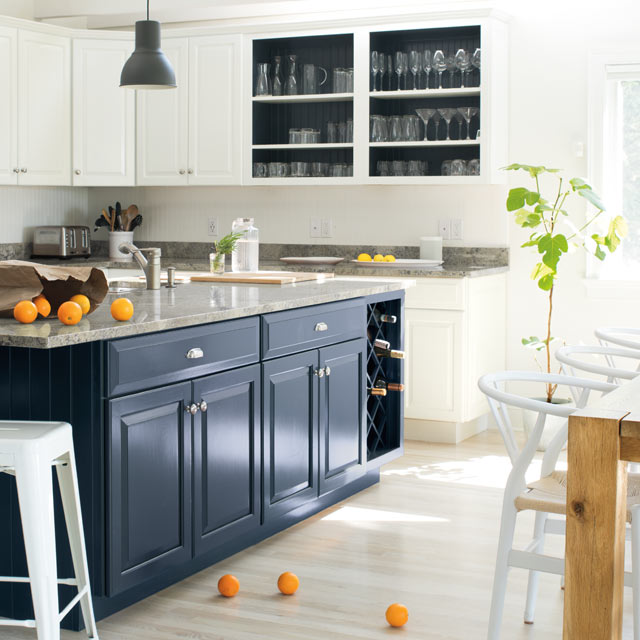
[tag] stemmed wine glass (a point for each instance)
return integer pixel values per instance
(425, 115)
(375, 67)
(383, 67)
(405, 68)
(447, 113)
(463, 62)
(436, 117)
(475, 60)
(399, 65)
(389, 68)
(451, 68)
(414, 66)
(468, 113)
(426, 66)
(439, 65)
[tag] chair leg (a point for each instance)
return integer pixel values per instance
(70, 502)
(505, 544)
(35, 494)
(635, 571)
(534, 576)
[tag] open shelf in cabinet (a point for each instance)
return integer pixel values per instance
(425, 143)
(309, 97)
(412, 94)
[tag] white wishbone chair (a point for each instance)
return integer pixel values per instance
(628, 337)
(573, 359)
(544, 496)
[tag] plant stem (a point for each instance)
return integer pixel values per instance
(550, 387)
(585, 225)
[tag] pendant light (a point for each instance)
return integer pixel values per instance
(148, 67)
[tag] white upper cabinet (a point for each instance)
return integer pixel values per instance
(163, 124)
(8, 106)
(44, 108)
(103, 115)
(215, 105)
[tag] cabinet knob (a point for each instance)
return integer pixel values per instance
(321, 326)
(327, 371)
(202, 405)
(182, 172)
(319, 373)
(23, 170)
(191, 408)
(77, 172)
(196, 352)
(190, 171)
(16, 170)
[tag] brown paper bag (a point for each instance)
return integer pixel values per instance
(20, 280)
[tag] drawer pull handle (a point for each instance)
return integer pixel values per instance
(321, 326)
(319, 373)
(191, 408)
(195, 353)
(202, 405)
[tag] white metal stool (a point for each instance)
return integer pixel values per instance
(28, 450)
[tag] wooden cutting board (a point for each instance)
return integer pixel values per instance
(260, 277)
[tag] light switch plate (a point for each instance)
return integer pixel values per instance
(444, 229)
(327, 228)
(315, 228)
(212, 228)
(456, 229)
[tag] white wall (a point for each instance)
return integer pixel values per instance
(18, 9)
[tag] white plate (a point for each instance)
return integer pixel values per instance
(311, 260)
(402, 262)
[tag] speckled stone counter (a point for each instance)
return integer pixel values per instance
(188, 305)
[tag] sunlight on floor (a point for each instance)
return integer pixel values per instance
(359, 514)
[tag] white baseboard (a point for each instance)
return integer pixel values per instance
(444, 432)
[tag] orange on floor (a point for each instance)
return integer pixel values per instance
(288, 583)
(397, 615)
(228, 585)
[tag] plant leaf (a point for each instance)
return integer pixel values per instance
(591, 196)
(552, 247)
(546, 282)
(618, 229)
(526, 218)
(541, 270)
(533, 170)
(599, 253)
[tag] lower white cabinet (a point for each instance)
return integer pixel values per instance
(103, 115)
(8, 106)
(454, 333)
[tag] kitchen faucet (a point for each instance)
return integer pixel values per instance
(150, 267)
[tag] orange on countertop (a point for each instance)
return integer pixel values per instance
(25, 311)
(288, 583)
(122, 309)
(83, 301)
(397, 615)
(42, 305)
(69, 312)
(228, 585)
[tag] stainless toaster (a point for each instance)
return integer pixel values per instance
(61, 241)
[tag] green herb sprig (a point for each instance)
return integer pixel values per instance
(227, 244)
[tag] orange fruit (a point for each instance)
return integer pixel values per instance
(83, 301)
(25, 311)
(228, 585)
(42, 305)
(122, 309)
(397, 615)
(69, 312)
(288, 583)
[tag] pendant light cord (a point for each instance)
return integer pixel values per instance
(147, 9)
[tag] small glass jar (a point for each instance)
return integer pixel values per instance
(217, 262)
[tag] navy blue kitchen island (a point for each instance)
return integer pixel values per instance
(199, 440)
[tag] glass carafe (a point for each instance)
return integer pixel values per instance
(278, 78)
(245, 255)
(263, 84)
(291, 85)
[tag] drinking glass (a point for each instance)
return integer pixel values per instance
(475, 61)
(389, 69)
(379, 131)
(445, 168)
(414, 168)
(307, 136)
(410, 128)
(332, 132)
(436, 117)
(463, 62)
(468, 113)
(295, 136)
(375, 67)
(263, 84)
(283, 169)
(414, 66)
(349, 80)
(317, 170)
(439, 65)
(426, 66)
(395, 128)
(447, 113)
(425, 115)
(350, 129)
(398, 168)
(299, 169)
(350, 170)
(451, 68)
(405, 68)
(339, 170)
(473, 167)
(458, 167)
(424, 167)
(260, 170)
(382, 59)
(277, 83)
(398, 66)
(339, 80)
(273, 169)
(458, 116)
(342, 132)
(383, 168)
(291, 85)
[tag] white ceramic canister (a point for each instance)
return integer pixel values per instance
(116, 238)
(431, 248)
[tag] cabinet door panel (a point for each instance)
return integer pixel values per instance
(103, 115)
(290, 397)
(44, 98)
(8, 105)
(163, 124)
(226, 457)
(149, 471)
(342, 414)
(215, 108)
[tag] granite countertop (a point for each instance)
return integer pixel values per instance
(189, 305)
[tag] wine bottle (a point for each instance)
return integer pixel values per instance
(377, 391)
(384, 317)
(381, 344)
(388, 386)
(388, 353)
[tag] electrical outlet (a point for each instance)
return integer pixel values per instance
(212, 229)
(444, 229)
(327, 228)
(456, 229)
(315, 228)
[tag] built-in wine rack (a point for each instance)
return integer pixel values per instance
(385, 414)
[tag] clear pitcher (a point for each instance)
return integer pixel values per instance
(263, 84)
(291, 85)
(310, 76)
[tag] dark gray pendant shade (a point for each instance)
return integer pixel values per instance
(148, 67)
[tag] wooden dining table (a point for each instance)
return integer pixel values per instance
(602, 439)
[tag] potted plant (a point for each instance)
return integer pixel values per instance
(224, 246)
(553, 235)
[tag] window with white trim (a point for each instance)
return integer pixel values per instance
(615, 155)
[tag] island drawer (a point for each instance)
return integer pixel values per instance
(286, 332)
(162, 358)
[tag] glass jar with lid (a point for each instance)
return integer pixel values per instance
(245, 255)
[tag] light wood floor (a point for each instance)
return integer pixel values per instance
(425, 536)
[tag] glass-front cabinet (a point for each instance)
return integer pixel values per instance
(415, 103)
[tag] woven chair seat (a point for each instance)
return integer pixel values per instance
(549, 494)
